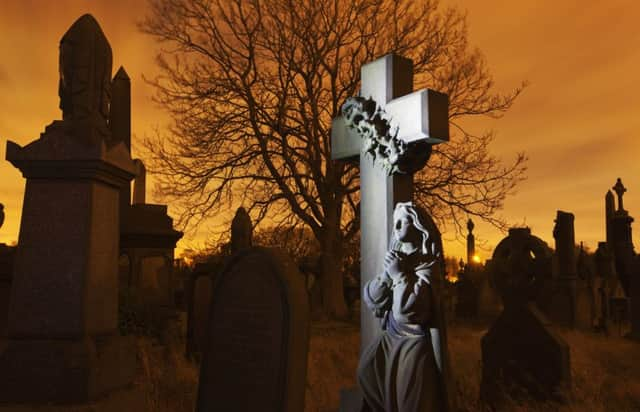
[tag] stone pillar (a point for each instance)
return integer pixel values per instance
(622, 241)
(140, 183)
(120, 120)
(609, 208)
(563, 306)
(63, 343)
(471, 243)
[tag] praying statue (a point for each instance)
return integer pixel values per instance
(406, 367)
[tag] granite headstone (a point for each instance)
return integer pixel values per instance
(255, 356)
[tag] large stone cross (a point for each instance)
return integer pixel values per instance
(421, 116)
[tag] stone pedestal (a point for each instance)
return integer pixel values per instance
(63, 344)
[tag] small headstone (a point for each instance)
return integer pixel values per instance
(255, 358)
(521, 355)
(241, 231)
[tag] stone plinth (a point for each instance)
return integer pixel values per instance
(63, 344)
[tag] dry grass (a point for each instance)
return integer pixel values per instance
(605, 371)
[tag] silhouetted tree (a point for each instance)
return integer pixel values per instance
(252, 87)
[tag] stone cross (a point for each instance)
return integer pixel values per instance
(619, 189)
(421, 116)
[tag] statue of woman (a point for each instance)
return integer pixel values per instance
(406, 368)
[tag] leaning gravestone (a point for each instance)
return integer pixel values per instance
(63, 342)
(255, 355)
(521, 355)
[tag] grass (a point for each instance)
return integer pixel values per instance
(605, 370)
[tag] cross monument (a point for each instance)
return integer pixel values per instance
(417, 121)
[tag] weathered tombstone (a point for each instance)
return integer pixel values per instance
(241, 231)
(147, 235)
(203, 277)
(621, 239)
(585, 308)
(7, 254)
(562, 309)
(63, 343)
(521, 355)
(255, 358)
(390, 130)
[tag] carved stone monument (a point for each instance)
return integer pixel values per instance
(63, 344)
(563, 301)
(147, 236)
(406, 368)
(241, 231)
(521, 355)
(255, 355)
(621, 241)
(390, 130)
(7, 254)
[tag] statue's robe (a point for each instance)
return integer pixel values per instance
(406, 368)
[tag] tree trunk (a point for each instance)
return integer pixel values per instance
(332, 279)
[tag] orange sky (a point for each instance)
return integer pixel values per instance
(577, 121)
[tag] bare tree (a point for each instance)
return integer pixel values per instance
(252, 86)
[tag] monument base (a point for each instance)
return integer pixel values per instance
(64, 371)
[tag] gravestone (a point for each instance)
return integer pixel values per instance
(255, 356)
(471, 243)
(421, 119)
(390, 130)
(203, 277)
(635, 301)
(585, 308)
(63, 343)
(562, 309)
(521, 355)
(621, 239)
(147, 236)
(7, 254)
(241, 231)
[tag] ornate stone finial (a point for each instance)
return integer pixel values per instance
(1, 214)
(620, 190)
(470, 226)
(241, 228)
(85, 71)
(139, 183)
(120, 109)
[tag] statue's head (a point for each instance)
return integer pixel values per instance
(411, 224)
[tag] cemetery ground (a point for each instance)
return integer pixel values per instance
(605, 376)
